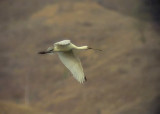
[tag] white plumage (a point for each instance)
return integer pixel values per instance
(64, 42)
(65, 50)
(72, 62)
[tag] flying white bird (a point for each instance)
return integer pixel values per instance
(66, 52)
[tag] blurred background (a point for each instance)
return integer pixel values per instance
(123, 79)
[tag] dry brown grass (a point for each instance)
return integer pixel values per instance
(122, 78)
(12, 108)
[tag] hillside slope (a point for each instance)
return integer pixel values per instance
(124, 78)
(127, 58)
(12, 108)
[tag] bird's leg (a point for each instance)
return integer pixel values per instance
(45, 52)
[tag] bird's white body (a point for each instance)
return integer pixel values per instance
(66, 45)
(66, 52)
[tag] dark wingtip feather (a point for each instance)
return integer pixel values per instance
(85, 78)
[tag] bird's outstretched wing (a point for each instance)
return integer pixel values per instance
(72, 62)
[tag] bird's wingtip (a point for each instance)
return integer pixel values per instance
(85, 79)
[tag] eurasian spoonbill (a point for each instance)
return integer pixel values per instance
(66, 52)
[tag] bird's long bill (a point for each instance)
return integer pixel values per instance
(44, 52)
(95, 49)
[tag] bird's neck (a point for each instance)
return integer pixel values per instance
(82, 47)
